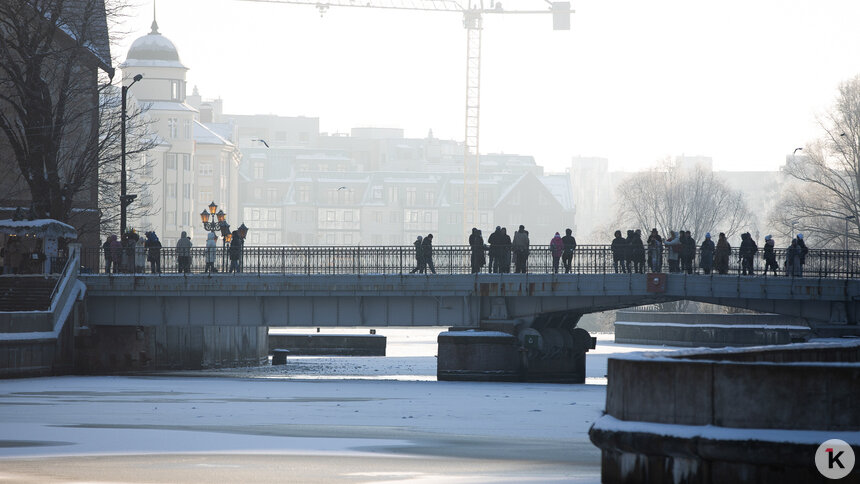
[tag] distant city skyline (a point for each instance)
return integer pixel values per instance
(631, 82)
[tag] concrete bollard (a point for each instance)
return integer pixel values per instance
(279, 357)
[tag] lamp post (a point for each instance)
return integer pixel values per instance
(124, 198)
(213, 222)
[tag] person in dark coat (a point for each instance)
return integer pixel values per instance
(476, 243)
(419, 256)
(521, 250)
(769, 255)
(235, 251)
(183, 253)
(721, 254)
(655, 251)
(747, 253)
(619, 248)
(706, 254)
(505, 251)
(493, 251)
(556, 248)
(637, 249)
(427, 245)
(105, 248)
(801, 245)
(569, 246)
(792, 260)
(115, 253)
(688, 251)
(153, 249)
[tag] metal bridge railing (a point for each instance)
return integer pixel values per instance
(449, 259)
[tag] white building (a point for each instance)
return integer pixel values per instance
(192, 165)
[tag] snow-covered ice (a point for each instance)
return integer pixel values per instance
(361, 419)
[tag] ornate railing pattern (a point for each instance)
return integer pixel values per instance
(450, 259)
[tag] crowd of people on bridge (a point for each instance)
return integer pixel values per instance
(131, 253)
(630, 254)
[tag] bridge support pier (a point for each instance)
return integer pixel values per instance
(550, 349)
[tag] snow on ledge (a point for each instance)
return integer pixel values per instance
(473, 332)
(811, 437)
(680, 355)
(714, 325)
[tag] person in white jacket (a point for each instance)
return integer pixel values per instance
(210, 252)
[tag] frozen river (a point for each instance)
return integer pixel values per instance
(317, 419)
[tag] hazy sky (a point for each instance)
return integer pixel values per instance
(632, 81)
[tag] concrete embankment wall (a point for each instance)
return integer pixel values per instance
(751, 415)
(124, 348)
(709, 330)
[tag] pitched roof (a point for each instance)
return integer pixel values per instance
(85, 21)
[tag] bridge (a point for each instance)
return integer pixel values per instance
(523, 326)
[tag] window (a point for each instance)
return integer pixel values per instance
(297, 216)
(170, 161)
(205, 196)
(187, 128)
(411, 216)
(147, 166)
(186, 161)
(330, 215)
(429, 197)
(186, 190)
(347, 216)
(172, 127)
(377, 193)
(377, 216)
(304, 193)
(272, 194)
(186, 218)
(393, 194)
(171, 191)
(205, 169)
(410, 196)
(428, 217)
(171, 218)
(255, 214)
(174, 91)
(259, 170)
(272, 215)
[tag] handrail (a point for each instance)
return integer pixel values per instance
(456, 259)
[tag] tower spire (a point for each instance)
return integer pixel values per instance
(154, 23)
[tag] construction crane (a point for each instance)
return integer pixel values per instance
(473, 12)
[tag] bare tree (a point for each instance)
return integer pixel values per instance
(825, 197)
(57, 113)
(672, 197)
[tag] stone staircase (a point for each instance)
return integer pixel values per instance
(26, 292)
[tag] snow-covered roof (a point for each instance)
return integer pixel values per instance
(43, 228)
(204, 135)
(153, 50)
(167, 106)
(559, 186)
(88, 16)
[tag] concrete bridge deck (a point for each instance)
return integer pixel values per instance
(440, 300)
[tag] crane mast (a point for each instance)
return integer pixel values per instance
(473, 22)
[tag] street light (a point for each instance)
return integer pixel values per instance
(213, 222)
(124, 198)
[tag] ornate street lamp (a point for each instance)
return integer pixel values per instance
(213, 222)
